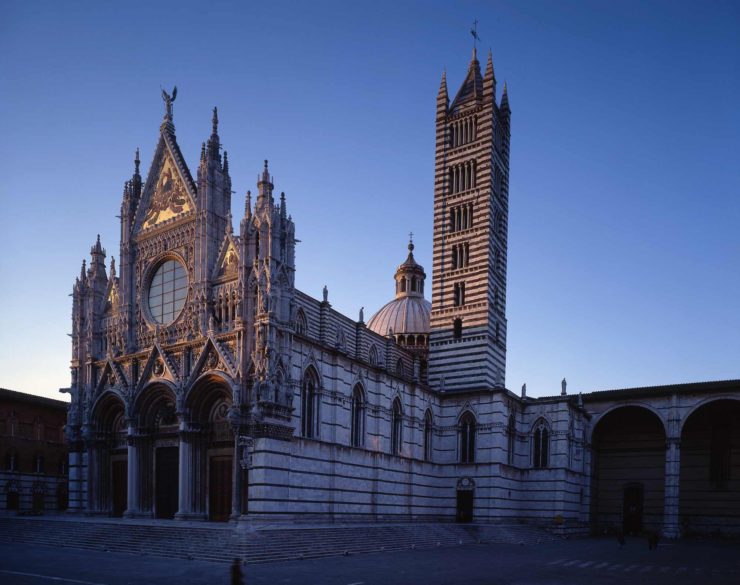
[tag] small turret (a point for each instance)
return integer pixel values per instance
(264, 187)
(489, 79)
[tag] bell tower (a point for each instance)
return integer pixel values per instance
(467, 346)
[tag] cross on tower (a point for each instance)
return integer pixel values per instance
(474, 32)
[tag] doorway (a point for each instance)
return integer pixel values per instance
(165, 482)
(219, 488)
(464, 505)
(120, 488)
(632, 510)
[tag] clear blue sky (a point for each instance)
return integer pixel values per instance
(625, 175)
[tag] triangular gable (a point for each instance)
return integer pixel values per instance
(158, 366)
(213, 357)
(112, 376)
(227, 264)
(169, 191)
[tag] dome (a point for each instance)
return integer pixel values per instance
(401, 316)
(409, 311)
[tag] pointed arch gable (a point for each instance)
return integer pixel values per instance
(106, 408)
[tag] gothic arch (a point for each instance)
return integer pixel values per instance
(209, 391)
(151, 399)
(213, 377)
(102, 410)
(310, 402)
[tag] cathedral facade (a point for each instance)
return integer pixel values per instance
(206, 386)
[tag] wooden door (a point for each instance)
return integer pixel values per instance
(465, 505)
(219, 488)
(166, 482)
(119, 483)
(632, 510)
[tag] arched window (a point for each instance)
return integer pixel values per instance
(310, 404)
(373, 355)
(301, 324)
(541, 445)
(466, 433)
(428, 427)
(357, 415)
(11, 461)
(511, 436)
(413, 284)
(457, 329)
(396, 428)
(399, 368)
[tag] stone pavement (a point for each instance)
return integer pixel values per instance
(574, 562)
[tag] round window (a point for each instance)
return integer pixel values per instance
(167, 292)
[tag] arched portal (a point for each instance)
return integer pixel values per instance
(107, 465)
(157, 459)
(709, 487)
(209, 467)
(628, 466)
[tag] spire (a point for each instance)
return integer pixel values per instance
(97, 249)
(443, 101)
(83, 271)
(264, 185)
(489, 68)
(137, 161)
(282, 205)
(248, 205)
(226, 162)
(472, 87)
(214, 142)
(505, 100)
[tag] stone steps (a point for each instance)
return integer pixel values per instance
(223, 543)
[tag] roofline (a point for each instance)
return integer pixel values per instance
(32, 399)
(598, 395)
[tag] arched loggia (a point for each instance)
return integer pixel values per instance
(628, 466)
(709, 484)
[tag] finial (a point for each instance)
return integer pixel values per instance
(266, 174)
(82, 270)
(136, 162)
(215, 120)
(112, 265)
(362, 315)
(524, 390)
(203, 152)
(226, 162)
(411, 241)
(563, 387)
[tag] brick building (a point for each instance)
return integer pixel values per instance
(33, 476)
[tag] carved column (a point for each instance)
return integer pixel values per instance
(236, 484)
(187, 472)
(133, 474)
(671, 498)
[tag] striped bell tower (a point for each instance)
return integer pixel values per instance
(467, 345)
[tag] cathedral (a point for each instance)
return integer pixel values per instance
(205, 386)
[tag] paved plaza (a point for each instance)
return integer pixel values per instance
(586, 561)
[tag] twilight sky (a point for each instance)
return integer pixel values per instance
(624, 236)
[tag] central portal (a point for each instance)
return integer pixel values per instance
(165, 482)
